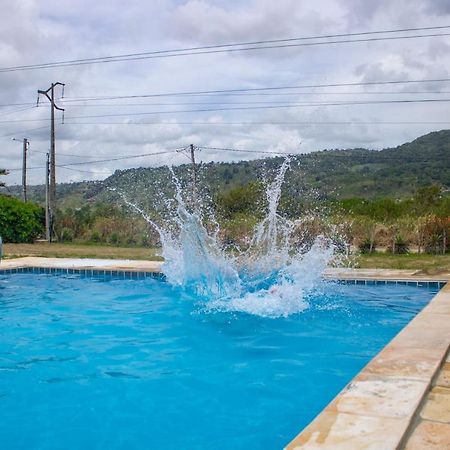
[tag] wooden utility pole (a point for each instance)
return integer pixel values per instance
(25, 144)
(194, 201)
(24, 169)
(52, 187)
(194, 176)
(48, 233)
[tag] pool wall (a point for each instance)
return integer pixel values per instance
(400, 400)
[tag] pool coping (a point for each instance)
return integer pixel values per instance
(380, 408)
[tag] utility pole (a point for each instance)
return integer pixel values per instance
(194, 176)
(191, 147)
(52, 187)
(24, 169)
(25, 144)
(48, 233)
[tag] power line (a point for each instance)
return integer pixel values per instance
(261, 89)
(356, 123)
(119, 158)
(238, 94)
(66, 154)
(77, 170)
(3, 105)
(13, 111)
(248, 151)
(240, 108)
(23, 132)
(331, 154)
(210, 103)
(236, 47)
(243, 108)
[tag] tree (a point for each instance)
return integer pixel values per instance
(19, 221)
(241, 200)
(3, 172)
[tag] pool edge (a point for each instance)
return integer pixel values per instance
(382, 406)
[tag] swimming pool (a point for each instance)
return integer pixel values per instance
(105, 362)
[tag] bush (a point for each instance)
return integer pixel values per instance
(19, 221)
(67, 235)
(400, 246)
(114, 238)
(95, 236)
(367, 246)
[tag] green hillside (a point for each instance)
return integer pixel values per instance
(393, 172)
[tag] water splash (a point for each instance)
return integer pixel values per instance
(269, 279)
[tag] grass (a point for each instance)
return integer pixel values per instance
(425, 262)
(430, 263)
(59, 250)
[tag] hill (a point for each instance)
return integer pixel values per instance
(393, 172)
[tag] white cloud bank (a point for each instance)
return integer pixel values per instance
(34, 31)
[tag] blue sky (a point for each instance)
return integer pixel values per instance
(35, 31)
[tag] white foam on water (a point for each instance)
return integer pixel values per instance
(195, 259)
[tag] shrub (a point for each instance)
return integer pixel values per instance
(400, 246)
(114, 238)
(95, 236)
(19, 221)
(433, 244)
(67, 235)
(367, 246)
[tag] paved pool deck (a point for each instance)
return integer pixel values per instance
(400, 400)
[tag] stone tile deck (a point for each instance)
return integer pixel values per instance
(431, 426)
(81, 263)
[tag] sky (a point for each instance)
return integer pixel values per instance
(43, 31)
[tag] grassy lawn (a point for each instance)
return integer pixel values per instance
(410, 261)
(57, 250)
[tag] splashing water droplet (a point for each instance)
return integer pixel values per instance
(269, 279)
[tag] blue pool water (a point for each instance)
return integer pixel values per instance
(97, 363)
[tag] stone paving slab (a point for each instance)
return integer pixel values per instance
(81, 263)
(386, 274)
(429, 436)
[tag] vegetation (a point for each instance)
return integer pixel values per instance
(19, 221)
(59, 250)
(422, 222)
(430, 264)
(105, 224)
(2, 172)
(393, 172)
(395, 200)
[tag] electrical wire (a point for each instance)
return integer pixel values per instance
(26, 108)
(356, 123)
(247, 151)
(119, 158)
(261, 89)
(236, 47)
(23, 131)
(243, 108)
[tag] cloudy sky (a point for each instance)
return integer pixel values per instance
(42, 31)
